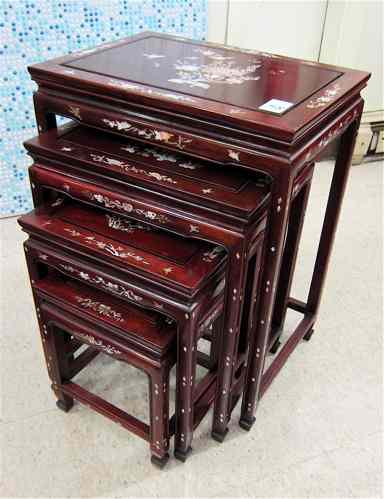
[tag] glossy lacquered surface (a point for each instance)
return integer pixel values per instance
(151, 252)
(131, 323)
(220, 84)
(174, 174)
(204, 121)
(223, 75)
(73, 316)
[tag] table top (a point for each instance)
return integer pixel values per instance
(170, 173)
(161, 256)
(271, 94)
(134, 324)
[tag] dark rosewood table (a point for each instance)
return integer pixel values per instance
(159, 274)
(243, 109)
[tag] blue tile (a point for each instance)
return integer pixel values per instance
(44, 29)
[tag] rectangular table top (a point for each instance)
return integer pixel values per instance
(133, 325)
(272, 94)
(158, 256)
(173, 174)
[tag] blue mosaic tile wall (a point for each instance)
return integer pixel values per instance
(37, 30)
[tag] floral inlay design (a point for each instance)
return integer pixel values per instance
(100, 308)
(234, 155)
(219, 69)
(193, 228)
(154, 56)
(100, 158)
(110, 248)
(75, 111)
(73, 232)
(129, 226)
(112, 203)
(189, 165)
(169, 321)
(329, 95)
(160, 155)
(151, 215)
(167, 270)
(148, 133)
(330, 135)
(211, 255)
(98, 343)
(120, 125)
(99, 281)
(58, 202)
(128, 207)
(149, 91)
(276, 72)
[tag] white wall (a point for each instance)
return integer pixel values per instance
(289, 28)
(217, 20)
(353, 37)
(344, 32)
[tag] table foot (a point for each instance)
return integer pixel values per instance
(276, 345)
(246, 423)
(63, 406)
(219, 436)
(182, 455)
(308, 335)
(160, 462)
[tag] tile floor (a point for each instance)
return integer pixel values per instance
(319, 428)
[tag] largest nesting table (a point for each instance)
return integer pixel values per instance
(239, 108)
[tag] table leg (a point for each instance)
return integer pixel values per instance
(278, 221)
(237, 270)
(56, 364)
(53, 344)
(258, 347)
(44, 119)
(185, 382)
(159, 415)
(295, 226)
(335, 198)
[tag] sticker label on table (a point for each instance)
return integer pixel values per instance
(276, 106)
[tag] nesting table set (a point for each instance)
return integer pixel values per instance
(169, 210)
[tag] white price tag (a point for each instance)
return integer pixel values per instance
(276, 106)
